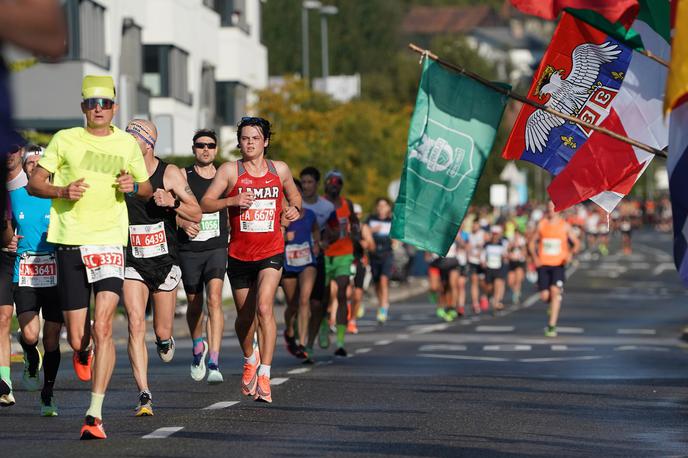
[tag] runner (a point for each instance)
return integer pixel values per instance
(152, 258)
(626, 229)
(381, 256)
(257, 186)
(302, 240)
(518, 248)
(92, 168)
(551, 256)
(357, 285)
(323, 209)
(476, 243)
(35, 288)
(339, 255)
(494, 262)
(203, 256)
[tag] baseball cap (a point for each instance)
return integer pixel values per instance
(94, 87)
(334, 174)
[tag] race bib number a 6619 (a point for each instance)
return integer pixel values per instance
(148, 240)
(260, 217)
(102, 262)
(37, 271)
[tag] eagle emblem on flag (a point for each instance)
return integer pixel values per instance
(567, 95)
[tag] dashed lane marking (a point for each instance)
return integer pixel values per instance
(495, 329)
(278, 381)
(221, 405)
(507, 348)
(549, 360)
(569, 330)
(162, 433)
(383, 342)
(471, 358)
(300, 370)
(641, 332)
(427, 328)
(559, 347)
(443, 347)
(640, 348)
(362, 350)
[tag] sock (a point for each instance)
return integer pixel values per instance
(264, 369)
(5, 375)
(214, 357)
(198, 346)
(51, 363)
(163, 343)
(251, 359)
(341, 332)
(96, 408)
(30, 351)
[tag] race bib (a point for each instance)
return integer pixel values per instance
(461, 256)
(260, 217)
(298, 254)
(210, 227)
(551, 247)
(148, 240)
(37, 270)
(102, 262)
(494, 261)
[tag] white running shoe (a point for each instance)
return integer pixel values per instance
(198, 364)
(165, 352)
(215, 376)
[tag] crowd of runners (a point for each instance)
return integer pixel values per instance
(97, 214)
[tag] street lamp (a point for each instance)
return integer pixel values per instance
(327, 10)
(305, 6)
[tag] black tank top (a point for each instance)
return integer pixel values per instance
(148, 243)
(211, 224)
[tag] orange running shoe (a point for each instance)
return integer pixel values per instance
(351, 328)
(249, 379)
(92, 429)
(82, 370)
(263, 393)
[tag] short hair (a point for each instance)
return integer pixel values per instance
(383, 199)
(311, 171)
(205, 133)
(261, 123)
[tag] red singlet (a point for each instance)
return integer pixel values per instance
(255, 232)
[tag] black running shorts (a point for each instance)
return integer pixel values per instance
(199, 267)
(494, 274)
(551, 276)
(318, 292)
(359, 276)
(74, 289)
(244, 274)
(28, 299)
(6, 273)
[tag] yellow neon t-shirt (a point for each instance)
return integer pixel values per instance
(100, 216)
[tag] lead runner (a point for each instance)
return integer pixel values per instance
(256, 250)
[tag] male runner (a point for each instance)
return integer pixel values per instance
(203, 256)
(257, 186)
(35, 288)
(551, 256)
(381, 255)
(494, 261)
(152, 258)
(92, 169)
(476, 244)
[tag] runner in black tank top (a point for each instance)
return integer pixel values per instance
(204, 263)
(152, 258)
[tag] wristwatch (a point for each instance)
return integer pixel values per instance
(177, 203)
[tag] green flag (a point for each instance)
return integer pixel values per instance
(452, 131)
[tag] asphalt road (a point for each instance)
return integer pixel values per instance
(612, 384)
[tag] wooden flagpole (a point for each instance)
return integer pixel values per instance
(539, 106)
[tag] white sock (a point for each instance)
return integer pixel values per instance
(264, 369)
(251, 359)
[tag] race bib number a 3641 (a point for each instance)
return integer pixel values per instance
(260, 217)
(103, 262)
(37, 271)
(148, 240)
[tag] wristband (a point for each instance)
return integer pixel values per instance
(135, 191)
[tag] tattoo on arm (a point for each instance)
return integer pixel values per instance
(188, 190)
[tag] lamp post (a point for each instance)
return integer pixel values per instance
(305, 6)
(327, 10)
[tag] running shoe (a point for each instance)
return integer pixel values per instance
(263, 392)
(48, 407)
(249, 379)
(198, 364)
(484, 304)
(214, 375)
(30, 377)
(292, 346)
(351, 328)
(360, 312)
(460, 310)
(381, 315)
(341, 352)
(81, 360)
(441, 313)
(145, 407)
(551, 331)
(450, 314)
(324, 336)
(166, 349)
(308, 355)
(92, 429)
(476, 309)
(6, 396)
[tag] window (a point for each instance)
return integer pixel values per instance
(208, 109)
(165, 70)
(86, 23)
(232, 13)
(231, 101)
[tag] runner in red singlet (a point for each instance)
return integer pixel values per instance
(256, 187)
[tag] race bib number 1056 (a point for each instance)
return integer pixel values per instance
(103, 262)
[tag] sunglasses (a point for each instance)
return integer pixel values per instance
(105, 104)
(201, 145)
(251, 119)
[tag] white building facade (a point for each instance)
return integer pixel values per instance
(185, 64)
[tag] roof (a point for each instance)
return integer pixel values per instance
(427, 20)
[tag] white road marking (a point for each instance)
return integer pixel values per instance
(162, 433)
(559, 347)
(494, 329)
(383, 342)
(662, 267)
(644, 332)
(426, 328)
(278, 381)
(221, 405)
(507, 348)
(362, 350)
(567, 348)
(443, 347)
(571, 358)
(569, 330)
(472, 358)
(641, 348)
(640, 265)
(402, 336)
(300, 370)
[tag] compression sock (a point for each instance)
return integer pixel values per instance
(198, 346)
(96, 408)
(213, 358)
(51, 363)
(341, 332)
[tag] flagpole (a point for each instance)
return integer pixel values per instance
(539, 106)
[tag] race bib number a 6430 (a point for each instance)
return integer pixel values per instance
(37, 271)
(103, 262)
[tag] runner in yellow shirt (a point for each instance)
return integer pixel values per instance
(92, 169)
